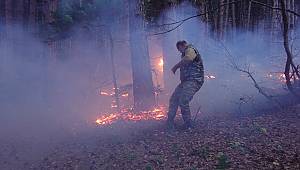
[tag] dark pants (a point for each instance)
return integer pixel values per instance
(181, 97)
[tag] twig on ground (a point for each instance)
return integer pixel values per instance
(196, 115)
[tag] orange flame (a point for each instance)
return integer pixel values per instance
(104, 93)
(125, 95)
(277, 76)
(161, 62)
(158, 113)
(107, 119)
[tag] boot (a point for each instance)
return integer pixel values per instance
(189, 125)
(170, 125)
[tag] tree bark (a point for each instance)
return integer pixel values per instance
(143, 91)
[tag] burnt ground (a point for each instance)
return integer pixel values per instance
(268, 141)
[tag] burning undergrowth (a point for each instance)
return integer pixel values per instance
(126, 111)
(158, 113)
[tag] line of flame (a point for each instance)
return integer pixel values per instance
(158, 113)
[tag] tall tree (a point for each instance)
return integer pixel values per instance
(8, 11)
(143, 91)
(289, 57)
(2, 18)
(114, 76)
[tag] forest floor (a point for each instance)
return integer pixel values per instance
(267, 141)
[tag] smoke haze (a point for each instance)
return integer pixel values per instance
(45, 100)
(253, 50)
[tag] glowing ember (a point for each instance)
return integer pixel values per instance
(277, 76)
(158, 113)
(210, 77)
(125, 95)
(107, 119)
(161, 62)
(104, 93)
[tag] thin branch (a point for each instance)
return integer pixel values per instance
(198, 111)
(168, 30)
(180, 22)
(250, 75)
(198, 15)
(275, 8)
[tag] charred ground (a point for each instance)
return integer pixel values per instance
(267, 141)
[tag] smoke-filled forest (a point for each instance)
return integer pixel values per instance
(150, 84)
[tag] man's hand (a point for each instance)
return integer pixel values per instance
(178, 65)
(174, 69)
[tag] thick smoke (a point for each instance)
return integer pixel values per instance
(232, 92)
(50, 90)
(43, 99)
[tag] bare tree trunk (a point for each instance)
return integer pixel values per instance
(2, 19)
(180, 30)
(289, 60)
(274, 22)
(293, 9)
(143, 91)
(233, 19)
(206, 8)
(2, 9)
(114, 76)
(167, 57)
(220, 20)
(226, 18)
(292, 17)
(26, 14)
(32, 14)
(19, 11)
(249, 15)
(8, 12)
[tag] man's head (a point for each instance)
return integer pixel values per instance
(181, 45)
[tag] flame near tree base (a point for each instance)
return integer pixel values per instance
(158, 113)
(127, 114)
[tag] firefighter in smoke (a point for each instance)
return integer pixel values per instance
(191, 77)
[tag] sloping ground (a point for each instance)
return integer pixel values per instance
(270, 141)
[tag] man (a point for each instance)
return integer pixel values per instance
(191, 77)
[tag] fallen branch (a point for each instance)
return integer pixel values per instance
(244, 100)
(249, 74)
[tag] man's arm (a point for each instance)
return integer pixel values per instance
(179, 64)
(190, 55)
